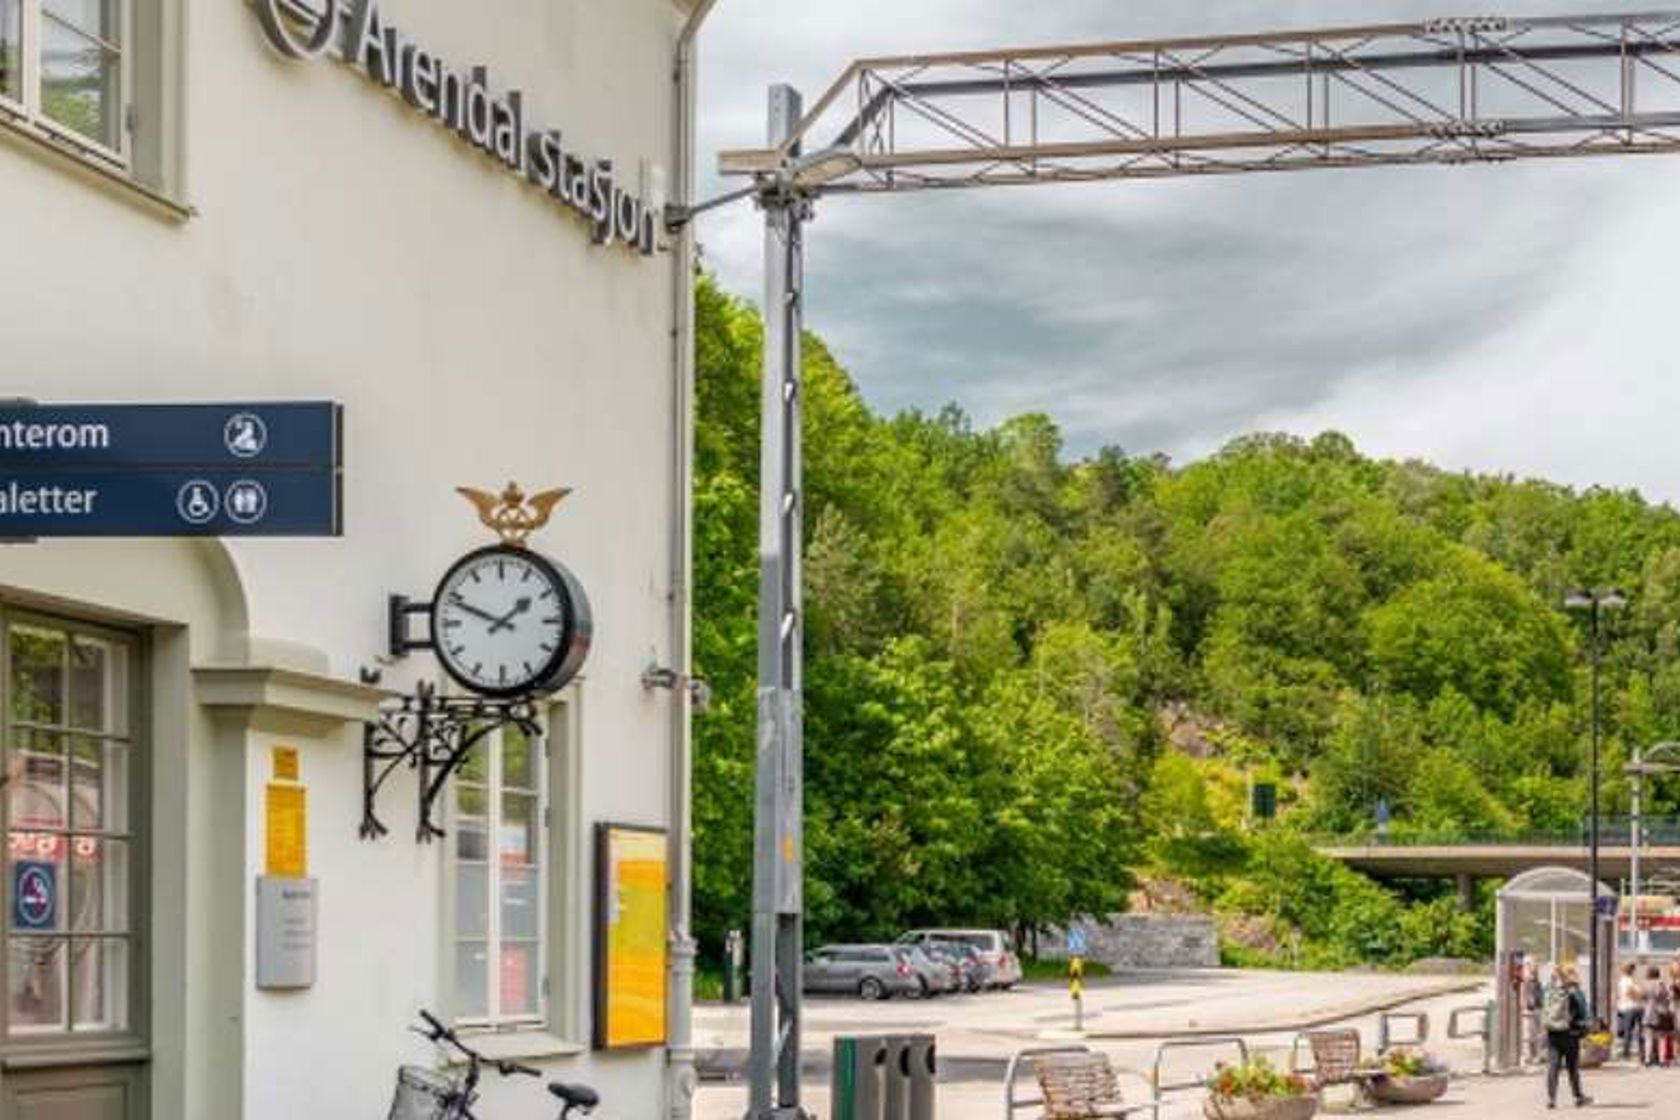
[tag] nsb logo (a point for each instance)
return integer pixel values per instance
(300, 28)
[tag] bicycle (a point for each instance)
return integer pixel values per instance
(425, 1095)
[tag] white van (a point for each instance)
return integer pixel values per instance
(992, 945)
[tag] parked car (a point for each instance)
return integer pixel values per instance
(992, 945)
(971, 970)
(870, 971)
(938, 975)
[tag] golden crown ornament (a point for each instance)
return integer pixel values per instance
(511, 515)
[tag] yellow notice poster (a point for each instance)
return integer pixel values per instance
(630, 914)
(288, 832)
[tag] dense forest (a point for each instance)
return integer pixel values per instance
(1039, 686)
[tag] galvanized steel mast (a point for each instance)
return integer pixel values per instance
(778, 895)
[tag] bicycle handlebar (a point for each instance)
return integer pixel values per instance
(435, 1031)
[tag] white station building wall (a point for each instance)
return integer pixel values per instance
(342, 247)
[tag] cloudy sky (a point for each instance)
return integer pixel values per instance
(1514, 319)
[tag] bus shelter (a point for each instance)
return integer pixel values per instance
(1545, 917)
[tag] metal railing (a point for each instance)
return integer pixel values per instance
(1162, 1087)
(1457, 1030)
(1419, 1021)
(1612, 832)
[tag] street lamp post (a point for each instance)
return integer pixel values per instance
(1595, 604)
(1662, 758)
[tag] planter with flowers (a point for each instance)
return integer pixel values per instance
(1595, 1049)
(1408, 1075)
(1257, 1090)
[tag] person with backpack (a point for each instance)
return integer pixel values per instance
(1659, 1018)
(1565, 1018)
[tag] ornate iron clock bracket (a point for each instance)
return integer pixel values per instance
(432, 735)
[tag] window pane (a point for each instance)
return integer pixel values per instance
(37, 792)
(470, 840)
(98, 785)
(96, 686)
(475, 768)
(520, 913)
(99, 18)
(98, 885)
(472, 968)
(79, 83)
(35, 982)
(11, 31)
(519, 979)
(99, 985)
(37, 675)
(517, 760)
(519, 830)
(472, 900)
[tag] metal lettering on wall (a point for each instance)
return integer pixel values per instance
(463, 102)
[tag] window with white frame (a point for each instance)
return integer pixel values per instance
(71, 848)
(499, 866)
(63, 66)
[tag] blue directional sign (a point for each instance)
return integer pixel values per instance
(1079, 942)
(289, 434)
(199, 470)
(192, 502)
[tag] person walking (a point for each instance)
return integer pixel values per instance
(1630, 1012)
(1658, 1017)
(1533, 997)
(1565, 1018)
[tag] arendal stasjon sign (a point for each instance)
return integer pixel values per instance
(463, 102)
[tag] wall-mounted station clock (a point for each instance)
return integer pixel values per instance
(506, 621)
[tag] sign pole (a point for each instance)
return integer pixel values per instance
(778, 829)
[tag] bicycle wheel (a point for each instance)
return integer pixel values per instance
(422, 1095)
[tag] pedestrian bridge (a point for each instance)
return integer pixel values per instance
(1490, 860)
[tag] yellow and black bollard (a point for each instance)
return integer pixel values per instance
(1076, 989)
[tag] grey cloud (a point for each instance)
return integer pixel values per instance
(1156, 316)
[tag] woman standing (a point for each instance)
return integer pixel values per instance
(1565, 1017)
(1659, 1018)
(1630, 1012)
(1533, 1001)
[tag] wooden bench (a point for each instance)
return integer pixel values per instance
(1336, 1062)
(1082, 1086)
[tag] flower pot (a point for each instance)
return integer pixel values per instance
(1260, 1108)
(1593, 1054)
(1409, 1090)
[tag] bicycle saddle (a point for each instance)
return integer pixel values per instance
(575, 1096)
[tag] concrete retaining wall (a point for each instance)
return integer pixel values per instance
(1146, 941)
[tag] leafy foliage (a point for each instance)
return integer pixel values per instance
(998, 638)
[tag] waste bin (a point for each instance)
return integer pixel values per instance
(911, 1065)
(858, 1086)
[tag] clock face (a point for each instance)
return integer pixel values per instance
(506, 621)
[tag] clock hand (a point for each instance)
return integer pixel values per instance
(458, 601)
(506, 621)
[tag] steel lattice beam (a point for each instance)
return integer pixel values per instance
(1445, 91)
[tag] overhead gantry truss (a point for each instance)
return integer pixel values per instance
(1442, 92)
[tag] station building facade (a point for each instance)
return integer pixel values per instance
(448, 219)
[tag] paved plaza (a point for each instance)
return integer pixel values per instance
(1131, 1016)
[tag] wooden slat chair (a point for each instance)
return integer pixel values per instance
(1336, 1062)
(1082, 1087)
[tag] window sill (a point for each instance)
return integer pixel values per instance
(58, 149)
(520, 1046)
